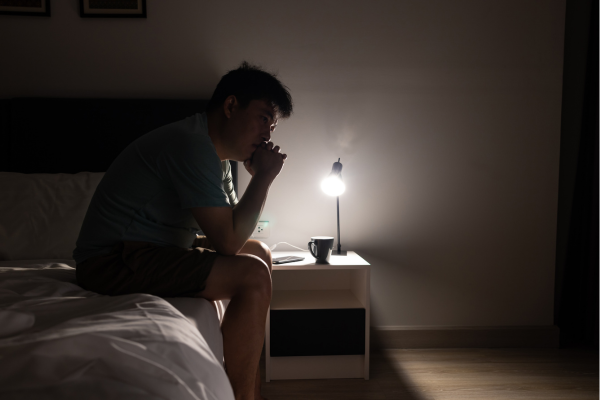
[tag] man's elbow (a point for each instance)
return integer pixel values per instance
(227, 249)
(228, 252)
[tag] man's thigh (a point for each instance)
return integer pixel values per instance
(232, 274)
(252, 246)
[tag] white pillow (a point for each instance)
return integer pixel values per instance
(41, 214)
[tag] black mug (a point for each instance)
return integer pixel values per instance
(320, 247)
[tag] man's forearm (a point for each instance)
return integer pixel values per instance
(247, 212)
(229, 229)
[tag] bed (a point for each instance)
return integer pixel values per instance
(56, 339)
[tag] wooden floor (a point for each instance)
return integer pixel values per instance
(453, 374)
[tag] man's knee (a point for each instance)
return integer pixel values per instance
(243, 274)
(259, 249)
(256, 276)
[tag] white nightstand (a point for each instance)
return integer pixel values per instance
(318, 323)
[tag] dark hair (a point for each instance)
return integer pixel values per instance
(248, 83)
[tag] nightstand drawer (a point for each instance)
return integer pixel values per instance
(317, 332)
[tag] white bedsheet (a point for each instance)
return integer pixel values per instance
(60, 341)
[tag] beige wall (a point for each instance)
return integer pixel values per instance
(446, 115)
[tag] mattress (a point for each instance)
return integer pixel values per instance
(60, 341)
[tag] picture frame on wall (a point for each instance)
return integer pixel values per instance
(34, 8)
(112, 8)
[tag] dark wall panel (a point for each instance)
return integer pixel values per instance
(50, 135)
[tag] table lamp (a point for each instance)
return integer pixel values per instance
(334, 186)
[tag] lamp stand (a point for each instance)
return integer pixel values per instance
(339, 251)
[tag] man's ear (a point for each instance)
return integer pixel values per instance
(229, 105)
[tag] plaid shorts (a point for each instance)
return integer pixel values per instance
(141, 267)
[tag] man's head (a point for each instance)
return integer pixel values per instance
(249, 102)
(249, 82)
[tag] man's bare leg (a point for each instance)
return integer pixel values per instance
(245, 280)
(259, 249)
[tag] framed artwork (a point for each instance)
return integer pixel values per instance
(112, 8)
(40, 8)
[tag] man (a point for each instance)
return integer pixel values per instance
(139, 233)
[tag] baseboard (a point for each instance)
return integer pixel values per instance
(394, 337)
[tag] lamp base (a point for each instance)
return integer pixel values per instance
(341, 253)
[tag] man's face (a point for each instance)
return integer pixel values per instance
(249, 127)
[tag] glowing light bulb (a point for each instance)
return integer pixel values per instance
(333, 186)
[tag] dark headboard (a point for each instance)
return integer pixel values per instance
(48, 135)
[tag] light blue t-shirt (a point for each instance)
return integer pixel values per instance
(147, 192)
